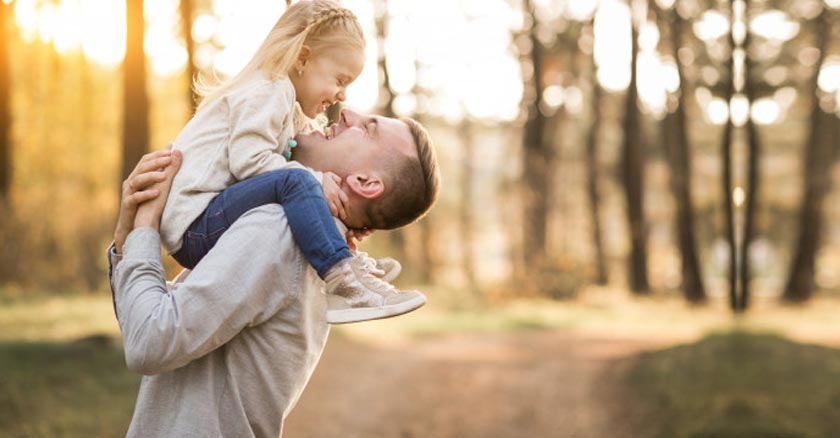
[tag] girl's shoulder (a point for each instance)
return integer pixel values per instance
(258, 85)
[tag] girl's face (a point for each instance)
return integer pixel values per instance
(324, 77)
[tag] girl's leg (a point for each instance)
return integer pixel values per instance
(302, 198)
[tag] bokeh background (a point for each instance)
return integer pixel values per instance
(637, 234)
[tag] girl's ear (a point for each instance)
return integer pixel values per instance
(364, 185)
(303, 56)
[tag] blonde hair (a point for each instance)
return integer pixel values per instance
(319, 24)
(412, 185)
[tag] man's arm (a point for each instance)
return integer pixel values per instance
(228, 291)
(235, 286)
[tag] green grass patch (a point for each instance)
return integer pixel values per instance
(65, 390)
(740, 385)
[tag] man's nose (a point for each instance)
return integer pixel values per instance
(350, 117)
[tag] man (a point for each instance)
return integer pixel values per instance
(230, 349)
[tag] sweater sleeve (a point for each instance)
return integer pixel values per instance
(261, 118)
(228, 291)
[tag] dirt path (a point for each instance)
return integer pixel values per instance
(527, 384)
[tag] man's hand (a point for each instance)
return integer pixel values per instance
(336, 199)
(149, 212)
(139, 187)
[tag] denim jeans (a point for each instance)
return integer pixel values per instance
(307, 212)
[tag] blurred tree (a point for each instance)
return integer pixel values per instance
(466, 203)
(386, 101)
(753, 158)
(5, 105)
(186, 28)
(537, 154)
(135, 101)
(819, 156)
(726, 156)
(675, 129)
(633, 163)
(592, 186)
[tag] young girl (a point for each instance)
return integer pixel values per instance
(236, 153)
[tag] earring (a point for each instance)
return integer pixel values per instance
(300, 72)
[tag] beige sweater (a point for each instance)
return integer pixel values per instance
(239, 135)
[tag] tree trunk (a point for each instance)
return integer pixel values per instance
(5, 105)
(536, 157)
(633, 163)
(465, 207)
(396, 237)
(602, 276)
(754, 152)
(726, 154)
(186, 27)
(680, 157)
(819, 156)
(135, 112)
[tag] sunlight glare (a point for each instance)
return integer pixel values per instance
(613, 45)
(738, 196)
(167, 54)
(739, 108)
(651, 79)
(204, 26)
(765, 111)
(711, 26)
(829, 76)
(26, 19)
(241, 30)
(717, 111)
(774, 25)
(553, 96)
(103, 40)
(581, 10)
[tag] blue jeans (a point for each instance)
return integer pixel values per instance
(307, 212)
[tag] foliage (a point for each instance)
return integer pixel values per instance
(738, 384)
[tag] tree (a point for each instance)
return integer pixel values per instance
(818, 159)
(726, 156)
(537, 155)
(677, 143)
(5, 105)
(135, 102)
(633, 162)
(186, 27)
(592, 186)
(754, 154)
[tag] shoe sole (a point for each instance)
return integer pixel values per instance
(347, 316)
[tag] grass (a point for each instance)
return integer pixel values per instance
(738, 384)
(64, 390)
(759, 376)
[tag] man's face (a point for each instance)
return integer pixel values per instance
(354, 144)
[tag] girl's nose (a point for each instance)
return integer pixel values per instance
(340, 96)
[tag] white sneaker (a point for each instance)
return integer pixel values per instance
(355, 293)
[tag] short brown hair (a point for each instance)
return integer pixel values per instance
(412, 185)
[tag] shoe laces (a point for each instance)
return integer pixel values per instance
(367, 271)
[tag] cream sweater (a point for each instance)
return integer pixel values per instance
(239, 135)
(229, 351)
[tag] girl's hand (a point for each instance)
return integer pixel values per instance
(336, 199)
(354, 236)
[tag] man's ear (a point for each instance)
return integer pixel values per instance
(303, 56)
(365, 185)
